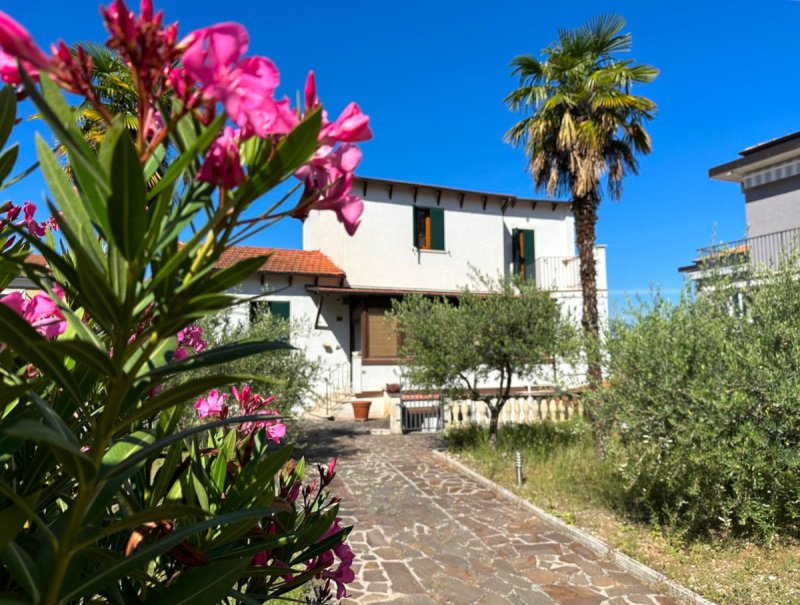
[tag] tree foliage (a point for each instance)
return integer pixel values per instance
(291, 373)
(506, 331)
(583, 124)
(704, 408)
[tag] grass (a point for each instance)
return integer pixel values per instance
(563, 477)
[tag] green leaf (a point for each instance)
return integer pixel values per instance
(291, 153)
(7, 160)
(21, 337)
(82, 352)
(185, 159)
(27, 506)
(140, 557)
(228, 277)
(75, 462)
(8, 113)
(69, 202)
(131, 520)
(145, 452)
(19, 176)
(324, 545)
(219, 468)
(206, 585)
(127, 214)
(22, 568)
(219, 355)
(166, 472)
(129, 444)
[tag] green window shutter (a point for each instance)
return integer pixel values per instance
(280, 309)
(419, 227)
(515, 256)
(437, 228)
(529, 256)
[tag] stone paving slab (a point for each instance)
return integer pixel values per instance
(426, 534)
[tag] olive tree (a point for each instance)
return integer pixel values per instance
(477, 344)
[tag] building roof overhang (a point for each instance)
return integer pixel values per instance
(495, 197)
(757, 157)
(365, 291)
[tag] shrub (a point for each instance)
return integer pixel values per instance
(703, 407)
(541, 438)
(103, 498)
(291, 373)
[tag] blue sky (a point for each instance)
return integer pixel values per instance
(432, 76)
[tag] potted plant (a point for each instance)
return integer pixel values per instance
(361, 410)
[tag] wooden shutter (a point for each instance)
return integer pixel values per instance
(529, 255)
(437, 229)
(280, 309)
(381, 334)
(515, 254)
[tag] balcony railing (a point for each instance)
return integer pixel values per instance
(763, 252)
(558, 272)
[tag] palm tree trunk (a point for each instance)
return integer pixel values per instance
(585, 211)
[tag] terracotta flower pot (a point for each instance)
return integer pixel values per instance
(361, 410)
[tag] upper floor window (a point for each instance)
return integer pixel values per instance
(429, 228)
(278, 308)
(523, 254)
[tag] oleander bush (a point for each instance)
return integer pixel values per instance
(155, 173)
(291, 372)
(702, 407)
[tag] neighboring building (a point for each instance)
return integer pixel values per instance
(413, 238)
(769, 177)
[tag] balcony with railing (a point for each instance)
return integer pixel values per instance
(755, 254)
(558, 273)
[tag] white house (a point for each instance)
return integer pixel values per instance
(413, 238)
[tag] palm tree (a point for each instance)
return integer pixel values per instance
(584, 126)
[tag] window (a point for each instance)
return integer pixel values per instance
(278, 308)
(429, 228)
(523, 254)
(380, 341)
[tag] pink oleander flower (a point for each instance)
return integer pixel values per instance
(328, 180)
(352, 126)
(222, 165)
(147, 46)
(343, 573)
(311, 92)
(326, 474)
(252, 403)
(9, 70)
(286, 118)
(17, 42)
(191, 336)
(28, 210)
(244, 87)
(213, 405)
(40, 311)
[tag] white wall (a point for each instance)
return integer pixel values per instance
(381, 253)
(325, 340)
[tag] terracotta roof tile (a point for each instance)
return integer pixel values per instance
(283, 261)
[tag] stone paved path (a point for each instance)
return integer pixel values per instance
(424, 533)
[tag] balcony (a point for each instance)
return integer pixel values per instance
(755, 254)
(558, 273)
